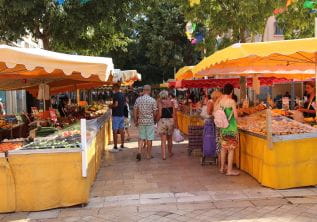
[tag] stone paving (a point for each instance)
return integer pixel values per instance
(178, 189)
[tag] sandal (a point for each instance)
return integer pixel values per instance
(222, 171)
(234, 173)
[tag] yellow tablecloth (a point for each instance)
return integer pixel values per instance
(7, 190)
(40, 181)
(288, 164)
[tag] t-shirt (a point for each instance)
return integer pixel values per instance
(146, 106)
(118, 110)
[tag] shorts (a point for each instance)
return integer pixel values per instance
(117, 123)
(165, 126)
(146, 132)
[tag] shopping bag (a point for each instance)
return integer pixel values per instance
(177, 136)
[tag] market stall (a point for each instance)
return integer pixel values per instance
(184, 73)
(60, 161)
(278, 154)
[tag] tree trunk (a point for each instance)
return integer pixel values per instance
(46, 43)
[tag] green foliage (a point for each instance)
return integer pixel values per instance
(73, 26)
(234, 20)
(159, 43)
(297, 22)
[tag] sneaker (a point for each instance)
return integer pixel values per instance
(114, 150)
(138, 156)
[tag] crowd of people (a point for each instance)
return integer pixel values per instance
(159, 115)
(161, 112)
(147, 112)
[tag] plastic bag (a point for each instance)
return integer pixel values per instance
(177, 136)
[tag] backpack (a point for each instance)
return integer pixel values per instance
(126, 111)
(221, 120)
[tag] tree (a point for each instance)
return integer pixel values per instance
(233, 20)
(73, 26)
(296, 21)
(159, 44)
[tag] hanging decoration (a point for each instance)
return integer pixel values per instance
(61, 2)
(281, 10)
(192, 3)
(190, 29)
(310, 4)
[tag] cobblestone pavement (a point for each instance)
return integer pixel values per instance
(178, 189)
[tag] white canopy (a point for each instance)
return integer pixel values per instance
(26, 62)
(126, 75)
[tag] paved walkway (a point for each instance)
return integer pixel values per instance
(178, 189)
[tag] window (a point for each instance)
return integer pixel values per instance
(277, 29)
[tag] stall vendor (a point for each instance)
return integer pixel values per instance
(308, 109)
(62, 107)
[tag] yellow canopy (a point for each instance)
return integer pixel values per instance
(164, 85)
(294, 59)
(184, 73)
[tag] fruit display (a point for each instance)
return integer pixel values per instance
(45, 131)
(251, 110)
(96, 110)
(68, 138)
(13, 144)
(281, 125)
(10, 146)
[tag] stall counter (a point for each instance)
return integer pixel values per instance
(7, 194)
(184, 120)
(56, 174)
(288, 164)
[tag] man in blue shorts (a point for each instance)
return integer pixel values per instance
(145, 112)
(118, 101)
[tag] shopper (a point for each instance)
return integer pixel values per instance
(127, 118)
(145, 112)
(117, 106)
(308, 110)
(229, 135)
(167, 121)
(2, 110)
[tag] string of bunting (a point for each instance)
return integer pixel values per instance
(61, 2)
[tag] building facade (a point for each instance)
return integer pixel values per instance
(15, 101)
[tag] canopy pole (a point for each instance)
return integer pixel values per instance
(315, 107)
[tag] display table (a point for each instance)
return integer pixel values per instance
(288, 164)
(184, 120)
(7, 194)
(51, 178)
(18, 131)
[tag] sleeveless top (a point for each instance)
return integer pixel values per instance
(232, 129)
(167, 112)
